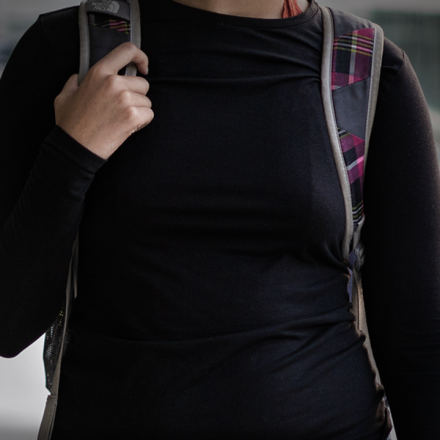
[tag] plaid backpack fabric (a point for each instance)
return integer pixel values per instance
(350, 74)
(353, 63)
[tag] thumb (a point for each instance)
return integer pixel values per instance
(68, 91)
(71, 85)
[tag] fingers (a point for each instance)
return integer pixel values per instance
(68, 90)
(144, 116)
(129, 99)
(120, 57)
(136, 84)
(107, 108)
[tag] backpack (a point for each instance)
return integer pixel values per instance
(350, 75)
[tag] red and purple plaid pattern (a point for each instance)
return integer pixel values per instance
(353, 149)
(352, 62)
(117, 25)
(352, 58)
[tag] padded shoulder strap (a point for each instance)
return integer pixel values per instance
(351, 65)
(104, 25)
(352, 58)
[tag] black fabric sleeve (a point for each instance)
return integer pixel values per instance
(44, 176)
(401, 276)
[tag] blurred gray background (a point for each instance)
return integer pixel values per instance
(413, 25)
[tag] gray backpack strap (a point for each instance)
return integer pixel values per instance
(47, 423)
(351, 66)
(352, 58)
(98, 21)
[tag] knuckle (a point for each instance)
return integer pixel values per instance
(131, 114)
(113, 82)
(129, 46)
(125, 98)
(95, 71)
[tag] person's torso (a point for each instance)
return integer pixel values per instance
(212, 291)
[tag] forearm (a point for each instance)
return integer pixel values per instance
(36, 240)
(44, 176)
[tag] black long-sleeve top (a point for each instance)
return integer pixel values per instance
(212, 291)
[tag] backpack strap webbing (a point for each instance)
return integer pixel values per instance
(352, 58)
(351, 64)
(47, 423)
(103, 26)
(350, 75)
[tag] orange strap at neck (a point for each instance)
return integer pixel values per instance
(291, 8)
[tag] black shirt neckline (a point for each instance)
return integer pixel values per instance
(178, 10)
